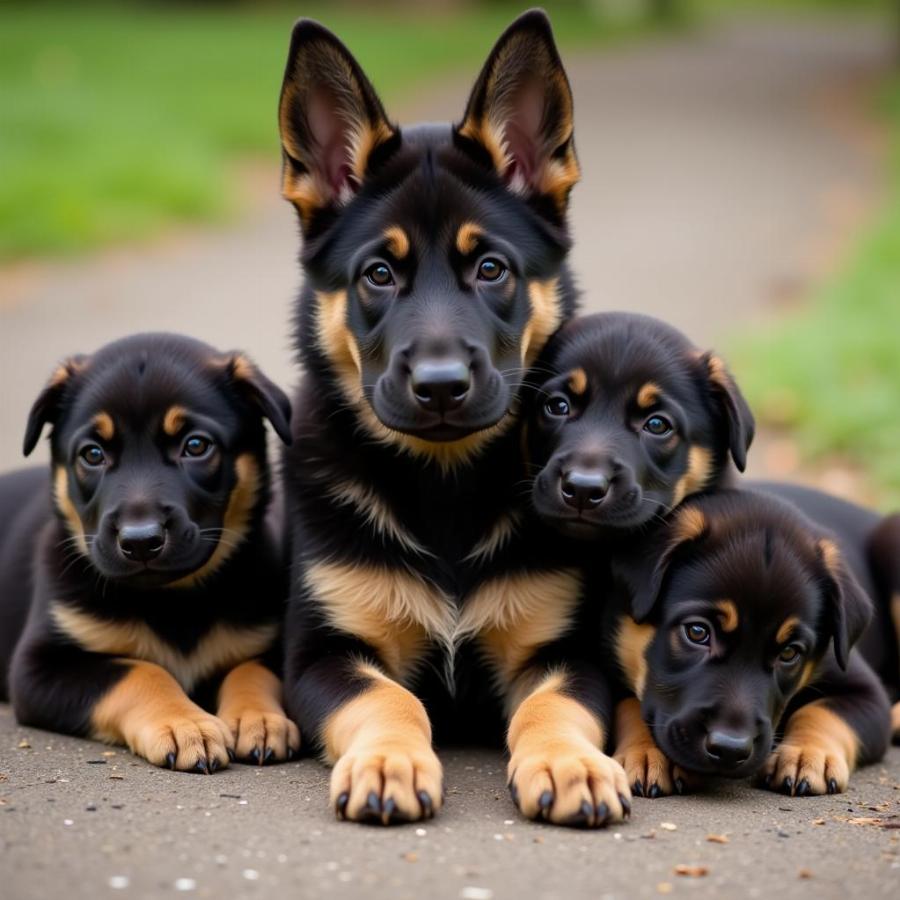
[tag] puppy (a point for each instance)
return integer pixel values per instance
(627, 419)
(733, 625)
(140, 586)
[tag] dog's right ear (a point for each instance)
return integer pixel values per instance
(331, 122)
(44, 410)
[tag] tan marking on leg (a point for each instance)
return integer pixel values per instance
(578, 381)
(467, 237)
(555, 755)
(818, 747)
(545, 317)
(250, 704)
(699, 469)
(173, 420)
(648, 395)
(149, 712)
(67, 508)
(786, 629)
(632, 641)
(397, 241)
(380, 743)
(104, 426)
(728, 615)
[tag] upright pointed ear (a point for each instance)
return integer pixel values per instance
(726, 393)
(270, 399)
(519, 116)
(45, 408)
(331, 121)
(850, 607)
(645, 578)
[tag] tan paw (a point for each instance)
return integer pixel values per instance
(803, 770)
(570, 784)
(387, 782)
(262, 736)
(190, 740)
(650, 772)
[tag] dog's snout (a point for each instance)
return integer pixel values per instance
(729, 748)
(142, 541)
(584, 489)
(441, 385)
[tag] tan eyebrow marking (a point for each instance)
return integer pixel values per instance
(578, 381)
(785, 629)
(104, 425)
(467, 237)
(397, 241)
(728, 611)
(648, 395)
(174, 420)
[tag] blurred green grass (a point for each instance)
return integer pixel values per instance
(831, 373)
(118, 119)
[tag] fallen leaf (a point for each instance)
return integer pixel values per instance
(717, 838)
(691, 871)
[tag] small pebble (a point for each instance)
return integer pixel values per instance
(250, 874)
(476, 893)
(220, 859)
(421, 832)
(804, 873)
(24, 745)
(664, 887)
(68, 822)
(668, 826)
(119, 882)
(411, 857)
(185, 884)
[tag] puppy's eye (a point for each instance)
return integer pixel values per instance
(558, 407)
(379, 275)
(491, 269)
(196, 445)
(790, 654)
(658, 426)
(696, 633)
(92, 455)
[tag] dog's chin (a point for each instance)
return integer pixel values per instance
(592, 524)
(158, 573)
(438, 428)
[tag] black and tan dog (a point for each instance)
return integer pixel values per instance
(736, 627)
(139, 583)
(434, 258)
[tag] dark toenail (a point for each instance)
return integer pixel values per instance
(389, 808)
(426, 802)
(832, 786)
(679, 785)
(373, 803)
(201, 766)
(341, 805)
(637, 788)
(626, 804)
(270, 755)
(787, 784)
(213, 764)
(256, 755)
(803, 788)
(230, 753)
(654, 792)
(602, 813)
(170, 760)
(514, 793)
(545, 801)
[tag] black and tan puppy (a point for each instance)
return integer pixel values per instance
(736, 628)
(434, 260)
(139, 584)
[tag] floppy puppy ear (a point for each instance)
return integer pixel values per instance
(271, 400)
(45, 408)
(331, 121)
(645, 579)
(741, 424)
(520, 113)
(850, 607)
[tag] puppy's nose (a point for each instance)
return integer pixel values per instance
(441, 385)
(729, 749)
(142, 541)
(583, 490)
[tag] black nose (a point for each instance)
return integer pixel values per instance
(729, 749)
(143, 541)
(584, 490)
(441, 385)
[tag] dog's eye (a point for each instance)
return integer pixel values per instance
(491, 269)
(557, 407)
(92, 455)
(696, 633)
(379, 275)
(658, 426)
(790, 654)
(196, 445)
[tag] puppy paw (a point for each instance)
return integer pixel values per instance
(262, 736)
(570, 785)
(190, 740)
(387, 783)
(650, 772)
(803, 770)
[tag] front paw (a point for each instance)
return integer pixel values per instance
(190, 740)
(262, 736)
(804, 770)
(569, 785)
(650, 772)
(388, 782)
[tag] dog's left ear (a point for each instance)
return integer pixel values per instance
(850, 607)
(45, 408)
(519, 117)
(271, 400)
(726, 393)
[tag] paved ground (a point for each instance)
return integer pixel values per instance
(721, 172)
